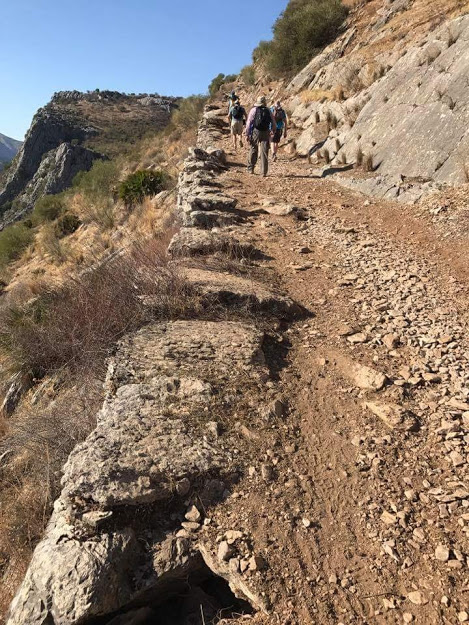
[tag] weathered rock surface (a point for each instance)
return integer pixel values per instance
(195, 242)
(240, 292)
(200, 201)
(148, 440)
(417, 94)
(48, 131)
(56, 172)
(393, 415)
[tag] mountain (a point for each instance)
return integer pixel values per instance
(8, 149)
(69, 134)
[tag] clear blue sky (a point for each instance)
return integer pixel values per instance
(173, 47)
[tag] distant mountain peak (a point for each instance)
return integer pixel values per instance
(8, 149)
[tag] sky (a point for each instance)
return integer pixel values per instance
(173, 47)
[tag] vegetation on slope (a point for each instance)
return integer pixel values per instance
(301, 31)
(79, 281)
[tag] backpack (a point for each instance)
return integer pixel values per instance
(237, 112)
(279, 114)
(263, 119)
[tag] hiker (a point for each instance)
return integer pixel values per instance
(259, 124)
(281, 121)
(237, 117)
(232, 99)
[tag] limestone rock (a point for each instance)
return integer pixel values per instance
(196, 242)
(393, 415)
(417, 597)
(48, 131)
(363, 376)
(145, 450)
(238, 292)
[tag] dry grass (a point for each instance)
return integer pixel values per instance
(368, 163)
(322, 95)
(35, 444)
(73, 326)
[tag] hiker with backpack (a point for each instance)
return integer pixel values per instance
(237, 117)
(232, 99)
(259, 124)
(280, 127)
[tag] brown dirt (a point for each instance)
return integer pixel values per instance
(337, 467)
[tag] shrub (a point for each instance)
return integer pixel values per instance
(262, 52)
(220, 80)
(13, 241)
(300, 32)
(188, 114)
(73, 327)
(248, 74)
(141, 184)
(48, 208)
(99, 181)
(67, 224)
(98, 188)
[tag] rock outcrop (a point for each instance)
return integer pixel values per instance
(47, 132)
(59, 142)
(408, 119)
(56, 172)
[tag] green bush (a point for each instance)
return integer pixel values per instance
(248, 74)
(262, 51)
(99, 181)
(13, 241)
(301, 31)
(188, 113)
(67, 224)
(48, 208)
(141, 184)
(220, 80)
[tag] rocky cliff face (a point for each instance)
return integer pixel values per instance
(40, 158)
(52, 153)
(401, 104)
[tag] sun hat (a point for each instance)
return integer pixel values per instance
(261, 101)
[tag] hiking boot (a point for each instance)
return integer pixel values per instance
(241, 142)
(250, 170)
(274, 158)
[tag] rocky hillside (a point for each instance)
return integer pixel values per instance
(293, 452)
(69, 134)
(8, 149)
(282, 435)
(389, 96)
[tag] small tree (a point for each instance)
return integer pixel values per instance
(301, 31)
(216, 84)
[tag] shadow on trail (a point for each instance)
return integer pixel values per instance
(310, 176)
(336, 170)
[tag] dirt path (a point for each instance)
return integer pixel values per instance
(366, 519)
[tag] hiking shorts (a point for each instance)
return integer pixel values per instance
(277, 135)
(237, 127)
